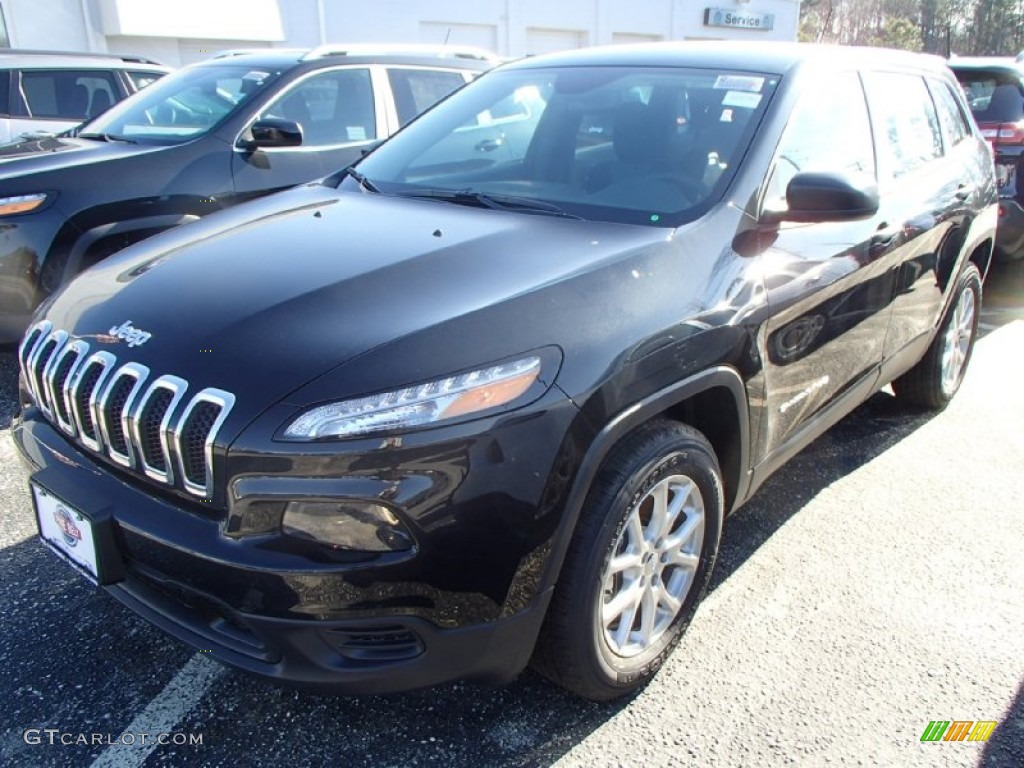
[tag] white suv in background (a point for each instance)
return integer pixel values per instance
(50, 91)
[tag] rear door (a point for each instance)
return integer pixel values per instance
(829, 284)
(924, 191)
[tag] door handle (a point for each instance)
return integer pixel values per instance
(489, 145)
(884, 239)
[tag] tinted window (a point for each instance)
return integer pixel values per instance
(67, 94)
(333, 107)
(184, 104)
(5, 91)
(643, 145)
(906, 124)
(416, 90)
(828, 131)
(993, 96)
(952, 119)
(141, 79)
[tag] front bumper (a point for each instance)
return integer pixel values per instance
(342, 621)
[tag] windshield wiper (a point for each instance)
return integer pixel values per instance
(105, 137)
(361, 180)
(496, 202)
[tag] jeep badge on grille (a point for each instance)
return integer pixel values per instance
(134, 336)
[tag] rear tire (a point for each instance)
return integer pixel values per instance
(638, 564)
(934, 381)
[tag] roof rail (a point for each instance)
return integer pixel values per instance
(128, 58)
(404, 49)
(230, 53)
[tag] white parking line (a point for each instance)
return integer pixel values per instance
(164, 712)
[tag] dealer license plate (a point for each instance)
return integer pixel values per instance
(67, 531)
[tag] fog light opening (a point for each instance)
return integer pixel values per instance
(363, 526)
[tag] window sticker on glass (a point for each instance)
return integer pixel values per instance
(743, 99)
(726, 116)
(739, 83)
(356, 132)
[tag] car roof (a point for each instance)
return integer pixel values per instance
(50, 59)
(767, 57)
(431, 56)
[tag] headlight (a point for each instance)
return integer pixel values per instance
(21, 203)
(420, 405)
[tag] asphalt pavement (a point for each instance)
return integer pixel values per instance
(875, 584)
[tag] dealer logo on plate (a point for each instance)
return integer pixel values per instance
(67, 526)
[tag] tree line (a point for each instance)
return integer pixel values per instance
(962, 27)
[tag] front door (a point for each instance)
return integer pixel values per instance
(336, 111)
(829, 285)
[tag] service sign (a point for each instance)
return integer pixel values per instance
(726, 17)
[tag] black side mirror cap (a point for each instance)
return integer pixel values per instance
(822, 197)
(274, 132)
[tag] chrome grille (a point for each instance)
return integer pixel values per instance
(111, 411)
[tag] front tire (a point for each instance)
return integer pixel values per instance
(936, 378)
(638, 564)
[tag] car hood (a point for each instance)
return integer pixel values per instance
(264, 297)
(31, 158)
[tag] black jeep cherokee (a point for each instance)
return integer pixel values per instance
(461, 406)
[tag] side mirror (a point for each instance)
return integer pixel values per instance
(274, 132)
(821, 197)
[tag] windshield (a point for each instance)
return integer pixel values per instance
(182, 105)
(995, 96)
(642, 145)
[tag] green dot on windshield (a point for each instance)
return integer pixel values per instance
(655, 217)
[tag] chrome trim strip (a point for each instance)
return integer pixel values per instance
(226, 401)
(24, 350)
(61, 397)
(45, 403)
(33, 355)
(176, 386)
(138, 373)
(108, 361)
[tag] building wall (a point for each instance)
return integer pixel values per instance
(178, 33)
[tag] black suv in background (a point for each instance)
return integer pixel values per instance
(995, 93)
(204, 138)
(456, 407)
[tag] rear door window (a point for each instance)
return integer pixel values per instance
(415, 90)
(67, 94)
(906, 124)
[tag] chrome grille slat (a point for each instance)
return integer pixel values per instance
(115, 411)
(43, 358)
(189, 438)
(109, 409)
(68, 361)
(152, 423)
(89, 387)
